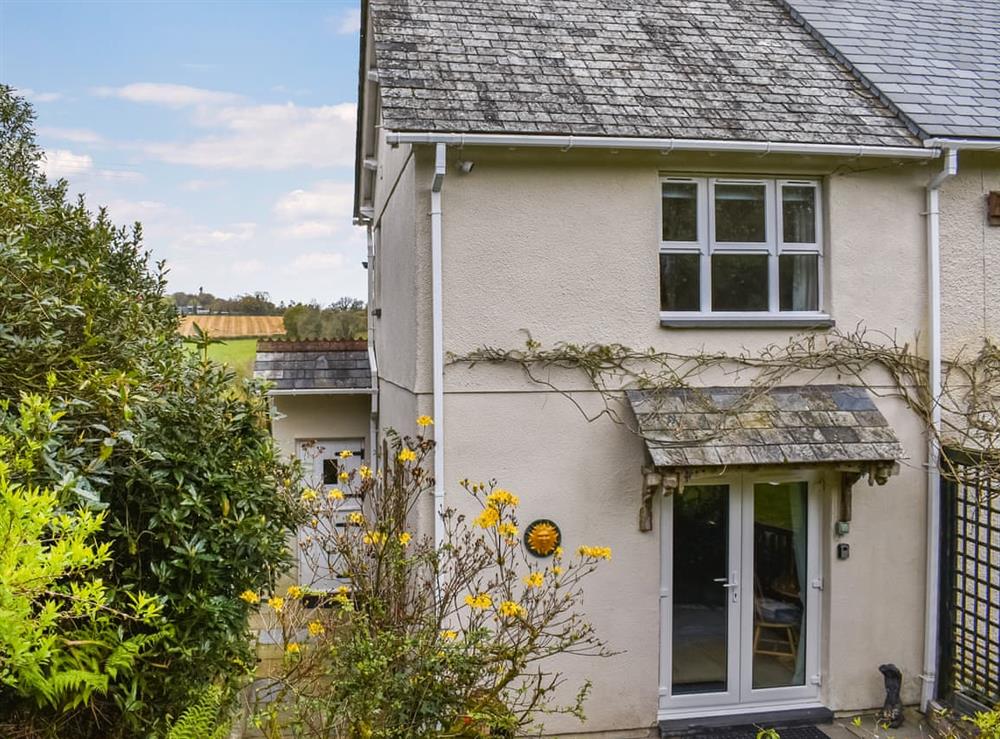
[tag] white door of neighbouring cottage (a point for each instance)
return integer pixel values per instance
(321, 466)
(740, 594)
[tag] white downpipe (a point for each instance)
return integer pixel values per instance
(663, 145)
(373, 453)
(933, 578)
(440, 167)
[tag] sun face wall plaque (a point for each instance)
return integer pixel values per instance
(541, 537)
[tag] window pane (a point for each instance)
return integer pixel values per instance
(739, 282)
(740, 213)
(680, 211)
(680, 283)
(780, 583)
(330, 471)
(798, 280)
(798, 215)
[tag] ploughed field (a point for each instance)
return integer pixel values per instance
(232, 327)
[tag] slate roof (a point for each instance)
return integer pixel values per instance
(711, 69)
(314, 365)
(938, 62)
(722, 426)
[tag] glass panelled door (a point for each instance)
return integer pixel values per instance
(739, 597)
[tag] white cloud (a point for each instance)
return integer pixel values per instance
(129, 211)
(321, 212)
(40, 97)
(347, 22)
(76, 135)
(198, 185)
(64, 163)
(248, 267)
(170, 95)
(315, 261)
(233, 233)
(268, 137)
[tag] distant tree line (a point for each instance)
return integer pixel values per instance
(249, 304)
(344, 319)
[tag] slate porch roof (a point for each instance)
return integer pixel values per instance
(694, 69)
(938, 62)
(724, 426)
(314, 365)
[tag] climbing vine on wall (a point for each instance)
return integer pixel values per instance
(969, 402)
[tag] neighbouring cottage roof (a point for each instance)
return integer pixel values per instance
(938, 62)
(722, 426)
(314, 365)
(704, 69)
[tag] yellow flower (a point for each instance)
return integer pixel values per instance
(292, 648)
(404, 538)
(335, 494)
(374, 538)
(557, 570)
(425, 421)
(534, 580)
(559, 552)
(480, 601)
(489, 518)
(277, 603)
(449, 634)
(343, 477)
(407, 455)
(294, 591)
(501, 497)
(250, 597)
(507, 529)
(595, 552)
(510, 609)
(345, 453)
(356, 518)
(316, 628)
(308, 494)
(365, 471)
(344, 589)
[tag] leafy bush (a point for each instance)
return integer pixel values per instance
(196, 502)
(44, 554)
(204, 719)
(427, 641)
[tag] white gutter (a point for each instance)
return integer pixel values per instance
(663, 145)
(440, 167)
(933, 575)
(965, 144)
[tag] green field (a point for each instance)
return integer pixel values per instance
(238, 354)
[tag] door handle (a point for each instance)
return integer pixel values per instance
(725, 582)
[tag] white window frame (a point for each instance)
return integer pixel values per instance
(774, 246)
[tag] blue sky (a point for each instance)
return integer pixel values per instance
(227, 128)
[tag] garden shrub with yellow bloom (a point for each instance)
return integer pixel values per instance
(467, 621)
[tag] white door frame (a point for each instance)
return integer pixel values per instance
(740, 697)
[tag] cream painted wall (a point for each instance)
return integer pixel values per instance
(399, 270)
(565, 245)
(970, 255)
(303, 417)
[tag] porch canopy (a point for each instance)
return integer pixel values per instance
(805, 425)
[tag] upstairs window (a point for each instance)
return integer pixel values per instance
(740, 245)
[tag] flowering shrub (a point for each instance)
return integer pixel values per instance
(422, 640)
